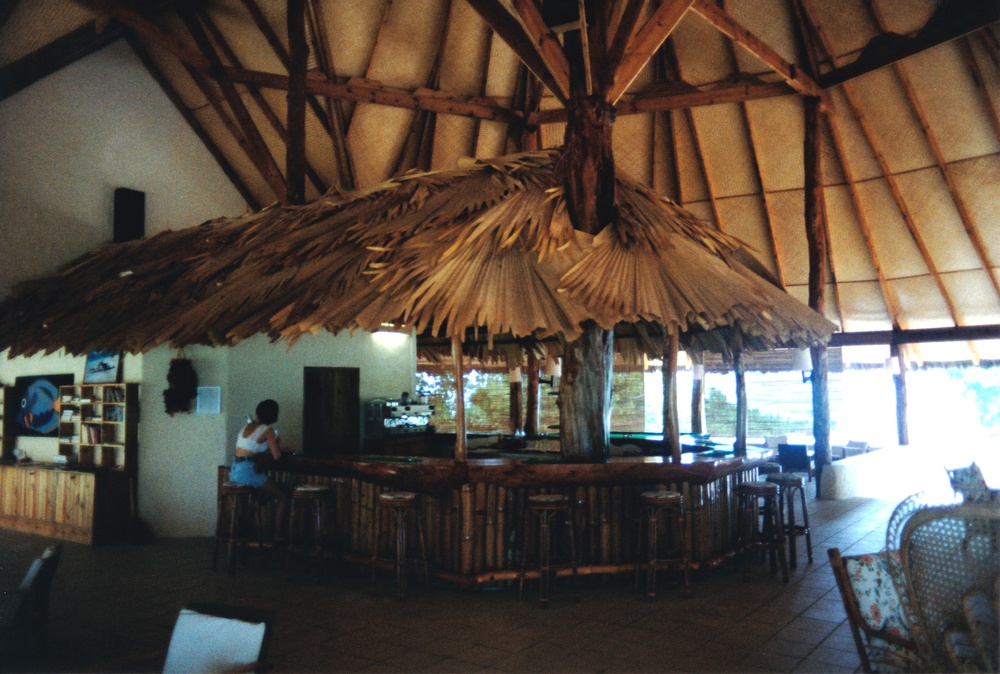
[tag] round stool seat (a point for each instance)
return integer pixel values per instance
(661, 498)
(769, 468)
(399, 499)
(785, 479)
(757, 488)
(548, 501)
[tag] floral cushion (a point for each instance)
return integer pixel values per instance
(875, 592)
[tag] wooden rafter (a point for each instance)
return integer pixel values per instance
(510, 30)
(192, 121)
(645, 43)
(725, 23)
(257, 147)
(953, 189)
(546, 43)
(7, 8)
(57, 54)
(256, 96)
(295, 146)
(979, 78)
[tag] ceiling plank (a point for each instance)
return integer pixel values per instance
(149, 30)
(192, 121)
(7, 8)
(949, 21)
(257, 147)
(660, 99)
(726, 24)
(623, 31)
(295, 147)
(645, 43)
(58, 54)
(510, 30)
(979, 77)
(334, 107)
(953, 189)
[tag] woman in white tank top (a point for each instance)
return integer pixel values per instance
(256, 439)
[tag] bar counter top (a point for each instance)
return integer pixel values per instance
(440, 475)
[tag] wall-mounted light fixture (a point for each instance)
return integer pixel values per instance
(515, 375)
(698, 370)
(552, 370)
(802, 360)
(892, 365)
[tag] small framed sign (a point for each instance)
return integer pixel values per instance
(209, 400)
(102, 367)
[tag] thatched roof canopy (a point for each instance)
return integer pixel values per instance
(487, 246)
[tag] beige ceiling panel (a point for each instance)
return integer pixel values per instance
(975, 298)
(853, 150)
(232, 19)
(895, 130)
(777, 125)
(864, 307)
(768, 20)
(376, 137)
(788, 220)
(904, 17)
(454, 139)
(934, 353)
(491, 141)
(664, 164)
(467, 46)
(921, 303)
(34, 24)
(954, 109)
(987, 64)
(228, 146)
(831, 170)
(175, 73)
(722, 135)
(409, 43)
(933, 209)
(552, 134)
(692, 178)
(978, 184)
(746, 219)
(633, 146)
(701, 209)
(851, 256)
(830, 311)
(320, 151)
(501, 79)
(890, 236)
(352, 27)
(703, 54)
(847, 26)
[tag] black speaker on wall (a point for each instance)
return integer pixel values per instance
(130, 215)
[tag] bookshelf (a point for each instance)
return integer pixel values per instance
(98, 425)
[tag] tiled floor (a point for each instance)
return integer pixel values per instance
(112, 604)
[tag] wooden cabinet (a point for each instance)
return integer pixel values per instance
(98, 425)
(86, 507)
(6, 439)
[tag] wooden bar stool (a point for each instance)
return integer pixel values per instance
(306, 522)
(544, 507)
(399, 504)
(234, 505)
(769, 468)
(758, 501)
(670, 504)
(788, 485)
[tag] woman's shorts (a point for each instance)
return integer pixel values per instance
(242, 472)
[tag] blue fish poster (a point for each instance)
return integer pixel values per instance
(34, 404)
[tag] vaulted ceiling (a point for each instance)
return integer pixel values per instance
(710, 102)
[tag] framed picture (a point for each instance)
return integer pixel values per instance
(102, 367)
(33, 405)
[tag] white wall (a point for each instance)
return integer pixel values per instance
(66, 143)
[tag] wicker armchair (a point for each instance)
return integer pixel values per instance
(947, 581)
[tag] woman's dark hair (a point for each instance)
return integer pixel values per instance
(267, 412)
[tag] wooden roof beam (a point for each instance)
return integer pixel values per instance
(963, 333)
(645, 43)
(621, 35)
(725, 23)
(295, 146)
(510, 30)
(546, 43)
(334, 108)
(7, 8)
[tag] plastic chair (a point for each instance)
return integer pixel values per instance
(218, 638)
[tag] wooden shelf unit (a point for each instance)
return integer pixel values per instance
(98, 424)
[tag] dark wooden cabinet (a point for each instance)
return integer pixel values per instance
(331, 411)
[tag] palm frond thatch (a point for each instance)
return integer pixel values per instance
(489, 246)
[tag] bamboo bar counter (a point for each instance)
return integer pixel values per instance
(473, 512)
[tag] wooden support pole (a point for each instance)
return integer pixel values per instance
(516, 402)
(295, 149)
(899, 380)
(585, 395)
(741, 401)
(816, 239)
(461, 454)
(698, 392)
(531, 407)
(671, 425)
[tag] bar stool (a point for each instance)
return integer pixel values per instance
(306, 522)
(545, 507)
(769, 468)
(671, 504)
(399, 504)
(756, 501)
(239, 502)
(788, 485)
